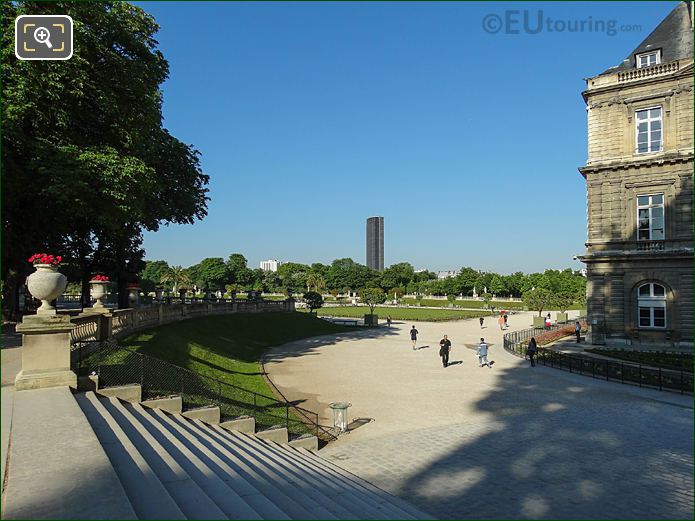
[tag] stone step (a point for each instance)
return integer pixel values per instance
(209, 414)
(170, 404)
(283, 493)
(306, 442)
(298, 475)
(226, 466)
(190, 498)
(128, 393)
(276, 434)
(359, 504)
(241, 424)
(147, 495)
(229, 502)
(410, 510)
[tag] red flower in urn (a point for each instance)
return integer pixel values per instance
(45, 258)
(99, 278)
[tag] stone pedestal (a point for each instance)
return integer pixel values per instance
(45, 352)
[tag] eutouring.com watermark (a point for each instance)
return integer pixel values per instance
(523, 21)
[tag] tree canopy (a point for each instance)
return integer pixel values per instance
(87, 163)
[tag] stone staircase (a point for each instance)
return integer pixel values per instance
(174, 465)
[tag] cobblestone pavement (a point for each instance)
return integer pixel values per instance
(511, 442)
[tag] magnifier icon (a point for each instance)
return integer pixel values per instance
(42, 35)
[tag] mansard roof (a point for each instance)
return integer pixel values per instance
(674, 36)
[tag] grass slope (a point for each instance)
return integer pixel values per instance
(228, 347)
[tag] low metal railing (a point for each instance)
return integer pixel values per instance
(516, 342)
(118, 365)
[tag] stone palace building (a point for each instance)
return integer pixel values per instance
(639, 179)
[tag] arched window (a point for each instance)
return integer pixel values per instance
(651, 304)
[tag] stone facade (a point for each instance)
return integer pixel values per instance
(622, 255)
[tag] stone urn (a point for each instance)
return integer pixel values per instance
(98, 290)
(182, 294)
(133, 295)
(46, 284)
(158, 294)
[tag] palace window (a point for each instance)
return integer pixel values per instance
(650, 217)
(651, 305)
(648, 59)
(648, 130)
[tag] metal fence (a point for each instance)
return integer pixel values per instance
(117, 365)
(659, 378)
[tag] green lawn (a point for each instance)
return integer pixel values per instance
(665, 360)
(228, 347)
(429, 315)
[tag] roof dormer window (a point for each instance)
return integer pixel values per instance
(647, 59)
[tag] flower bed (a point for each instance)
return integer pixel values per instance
(548, 337)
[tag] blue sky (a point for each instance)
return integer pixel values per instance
(311, 117)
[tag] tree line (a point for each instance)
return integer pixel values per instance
(346, 275)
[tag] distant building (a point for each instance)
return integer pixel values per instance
(421, 270)
(639, 182)
(270, 265)
(447, 274)
(375, 243)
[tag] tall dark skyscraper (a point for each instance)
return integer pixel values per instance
(375, 243)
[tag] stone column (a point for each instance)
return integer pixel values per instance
(45, 352)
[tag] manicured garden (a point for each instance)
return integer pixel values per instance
(228, 347)
(473, 304)
(429, 315)
(676, 361)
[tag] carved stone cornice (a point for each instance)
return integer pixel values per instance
(670, 159)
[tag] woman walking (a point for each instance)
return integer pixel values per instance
(531, 351)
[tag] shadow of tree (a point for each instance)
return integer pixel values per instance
(582, 450)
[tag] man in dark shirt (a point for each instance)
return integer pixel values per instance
(413, 336)
(444, 348)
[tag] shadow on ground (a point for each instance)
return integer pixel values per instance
(557, 446)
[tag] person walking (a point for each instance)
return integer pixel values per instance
(500, 321)
(578, 331)
(532, 350)
(482, 354)
(444, 348)
(388, 321)
(481, 322)
(505, 320)
(413, 336)
(548, 322)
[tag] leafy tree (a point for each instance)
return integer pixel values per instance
(497, 286)
(466, 280)
(212, 273)
(315, 282)
(83, 142)
(313, 300)
(177, 277)
(373, 297)
(487, 299)
(396, 292)
(293, 275)
(151, 275)
(237, 269)
(397, 275)
(562, 301)
(451, 298)
(538, 299)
